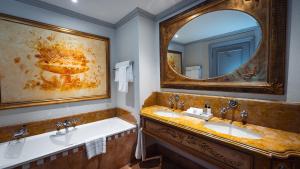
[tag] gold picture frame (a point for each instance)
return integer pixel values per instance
(79, 70)
(268, 60)
(175, 60)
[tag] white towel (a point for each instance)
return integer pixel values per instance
(124, 74)
(95, 147)
(193, 72)
(140, 151)
(129, 73)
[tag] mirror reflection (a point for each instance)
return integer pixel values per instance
(214, 44)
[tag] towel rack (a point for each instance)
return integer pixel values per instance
(131, 63)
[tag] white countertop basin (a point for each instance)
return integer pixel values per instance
(167, 114)
(230, 129)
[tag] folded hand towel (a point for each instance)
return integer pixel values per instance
(95, 147)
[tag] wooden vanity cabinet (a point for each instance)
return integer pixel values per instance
(214, 151)
(285, 164)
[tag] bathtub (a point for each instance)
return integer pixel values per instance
(16, 153)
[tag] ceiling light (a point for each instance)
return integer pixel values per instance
(74, 1)
(176, 36)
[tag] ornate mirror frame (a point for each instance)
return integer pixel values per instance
(269, 59)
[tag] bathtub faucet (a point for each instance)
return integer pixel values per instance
(21, 133)
(66, 124)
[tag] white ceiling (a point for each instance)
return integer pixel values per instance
(214, 24)
(113, 10)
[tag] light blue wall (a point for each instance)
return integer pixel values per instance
(293, 52)
(136, 43)
(148, 74)
(21, 115)
(128, 49)
(197, 53)
(176, 47)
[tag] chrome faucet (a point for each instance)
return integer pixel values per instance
(66, 124)
(232, 105)
(244, 116)
(21, 133)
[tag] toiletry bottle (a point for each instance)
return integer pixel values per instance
(205, 109)
(208, 110)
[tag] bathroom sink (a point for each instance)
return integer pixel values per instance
(167, 114)
(232, 130)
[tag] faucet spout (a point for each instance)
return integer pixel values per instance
(66, 124)
(232, 105)
(21, 133)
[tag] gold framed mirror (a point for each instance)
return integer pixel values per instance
(228, 45)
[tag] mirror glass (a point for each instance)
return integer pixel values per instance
(214, 44)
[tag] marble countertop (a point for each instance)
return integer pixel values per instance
(274, 142)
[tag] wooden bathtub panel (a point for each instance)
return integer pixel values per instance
(120, 151)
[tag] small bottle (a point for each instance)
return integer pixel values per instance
(205, 108)
(208, 110)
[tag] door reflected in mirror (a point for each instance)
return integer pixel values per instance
(214, 44)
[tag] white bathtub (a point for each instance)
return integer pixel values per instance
(32, 148)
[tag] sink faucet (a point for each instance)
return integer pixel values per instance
(232, 105)
(175, 102)
(244, 116)
(21, 133)
(66, 124)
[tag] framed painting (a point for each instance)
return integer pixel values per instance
(175, 60)
(44, 64)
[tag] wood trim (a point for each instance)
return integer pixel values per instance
(67, 31)
(39, 127)
(174, 51)
(271, 15)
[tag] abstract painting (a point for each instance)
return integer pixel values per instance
(45, 63)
